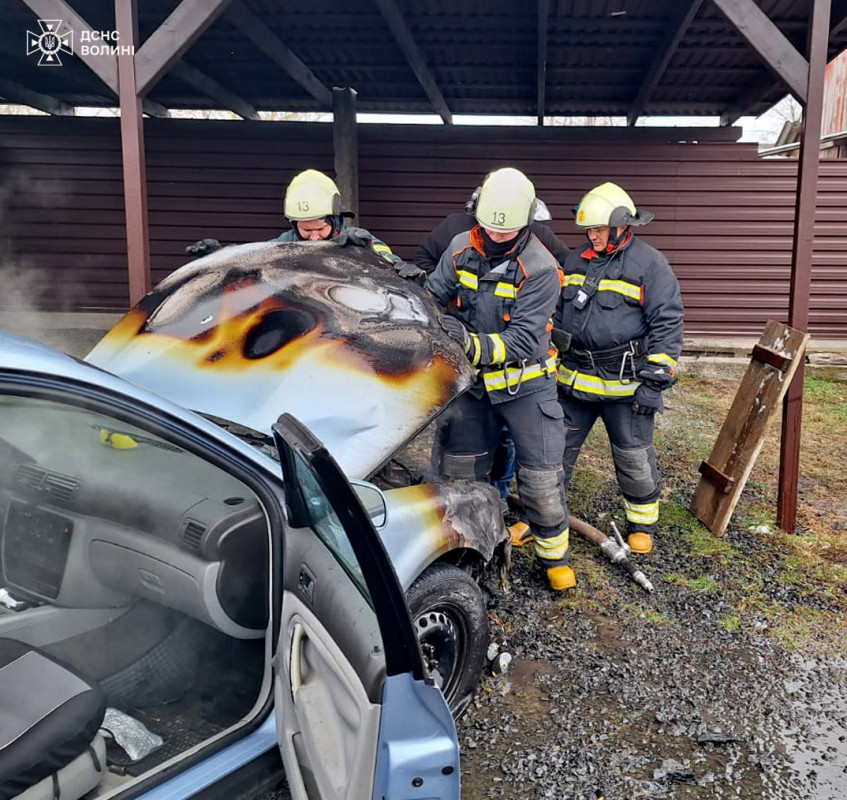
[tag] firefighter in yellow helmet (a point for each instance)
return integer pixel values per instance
(618, 327)
(503, 285)
(313, 207)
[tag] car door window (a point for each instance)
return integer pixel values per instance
(326, 524)
(138, 563)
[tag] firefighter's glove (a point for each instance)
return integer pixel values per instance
(411, 272)
(455, 329)
(659, 377)
(202, 247)
(475, 346)
(358, 237)
(648, 400)
(561, 340)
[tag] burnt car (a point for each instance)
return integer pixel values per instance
(177, 543)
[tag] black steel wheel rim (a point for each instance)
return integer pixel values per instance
(441, 634)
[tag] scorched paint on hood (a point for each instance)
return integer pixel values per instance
(331, 335)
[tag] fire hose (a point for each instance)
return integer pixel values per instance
(616, 550)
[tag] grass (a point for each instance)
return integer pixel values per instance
(702, 583)
(792, 588)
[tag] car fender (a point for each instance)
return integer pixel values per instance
(429, 520)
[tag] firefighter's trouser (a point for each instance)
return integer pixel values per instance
(631, 438)
(469, 439)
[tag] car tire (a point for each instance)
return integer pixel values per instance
(449, 614)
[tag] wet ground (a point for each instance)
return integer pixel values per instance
(625, 695)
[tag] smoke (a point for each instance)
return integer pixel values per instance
(29, 291)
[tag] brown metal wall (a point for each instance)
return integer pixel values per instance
(723, 217)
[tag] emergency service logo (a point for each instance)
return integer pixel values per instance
(50, 43)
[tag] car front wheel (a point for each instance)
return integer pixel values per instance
(449, 613)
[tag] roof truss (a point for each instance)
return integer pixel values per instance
(400, 29)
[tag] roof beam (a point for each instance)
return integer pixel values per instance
(838, 23)
(172, 38)
(153, 109)
(769, 42)
(43, 102)
(838, 18)
(268, 42)
(543, 26)
(104, 66)
(211, 88)
(408, 45)
(682, 15)
(756, 92)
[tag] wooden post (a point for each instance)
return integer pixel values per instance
(345, 142)
(132, 148)
(801, 262)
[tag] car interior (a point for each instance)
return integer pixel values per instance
(134, 585)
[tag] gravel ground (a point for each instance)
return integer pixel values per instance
(637, 696)
(728, 681)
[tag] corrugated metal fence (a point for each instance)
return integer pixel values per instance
(723, 217)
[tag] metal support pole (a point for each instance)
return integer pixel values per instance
(345, 142)
(132, 149)
(801, 262)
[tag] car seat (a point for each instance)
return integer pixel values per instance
(49, 721)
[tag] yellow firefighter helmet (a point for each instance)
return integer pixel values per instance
(608, 204)
(311, 195)
(506, 201)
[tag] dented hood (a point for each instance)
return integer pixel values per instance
(330, 335)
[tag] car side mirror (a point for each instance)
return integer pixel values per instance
(373, 501)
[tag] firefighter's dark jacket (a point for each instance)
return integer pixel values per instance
(637, 300)
(508, 303)
(438, 240)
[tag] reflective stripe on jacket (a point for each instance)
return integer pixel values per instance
(508, 303)
(637, 297)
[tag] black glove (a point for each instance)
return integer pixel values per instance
(647, 400)
(202, 247)
(561, 340)
(411, 272)
(358, 237)
(456, 330)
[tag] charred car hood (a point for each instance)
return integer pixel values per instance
(330, 335)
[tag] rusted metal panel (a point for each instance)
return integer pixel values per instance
(724, 218)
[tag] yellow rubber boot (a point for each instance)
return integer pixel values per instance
(640, 542)
(520, 534)
(561, 578)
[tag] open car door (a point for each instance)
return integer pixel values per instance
(356, 716)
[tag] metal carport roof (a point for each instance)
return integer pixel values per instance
(550, 58)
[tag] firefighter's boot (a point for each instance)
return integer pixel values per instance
(640, 542)
(521, 534)
(561, 578)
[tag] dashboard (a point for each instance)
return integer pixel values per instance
(94, 514)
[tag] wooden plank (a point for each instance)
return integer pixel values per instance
(172, 38)
(743, 433)
(43, 102)
(105, 66)
(720, 481)
(769, 42)
(777, 360)
(268, 42)
(211, 88)
(406, 41)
